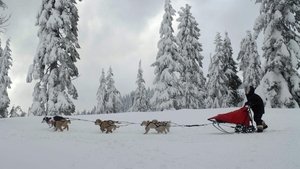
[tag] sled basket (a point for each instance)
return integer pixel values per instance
(241, 118)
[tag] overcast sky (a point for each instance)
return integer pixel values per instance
(118, 33)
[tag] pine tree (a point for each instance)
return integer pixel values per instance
(101, 95)
(5, 81)
(113, 104)
(166, 84)
(250, 63)
(2, 4)
(140, 102)
(149, 95)
(54, 63)
(216, 83)
(127, 101)
(192, 78)
(16, 111)
(93, 111)
(233, 82)
(279, 21)
(3, 18)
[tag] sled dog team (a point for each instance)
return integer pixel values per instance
(108, 126)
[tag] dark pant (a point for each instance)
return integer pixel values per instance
(257, 118)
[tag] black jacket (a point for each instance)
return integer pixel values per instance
(255, 102)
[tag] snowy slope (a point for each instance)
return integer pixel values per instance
(26, 143)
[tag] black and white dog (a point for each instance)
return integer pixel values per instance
(51, 120)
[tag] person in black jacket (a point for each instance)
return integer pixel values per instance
(257, 105)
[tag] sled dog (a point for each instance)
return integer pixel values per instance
(159, 126)
(51, 120)
(62, 124)
(106, 126)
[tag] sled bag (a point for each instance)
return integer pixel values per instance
(240, 116)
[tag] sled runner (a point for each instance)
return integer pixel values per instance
(242, 118)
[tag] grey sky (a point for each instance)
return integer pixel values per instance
(118, 33)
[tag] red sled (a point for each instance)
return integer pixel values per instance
(242, 118)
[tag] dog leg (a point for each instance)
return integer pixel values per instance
(147, 130)
(102, 129)
(67, 127)
(61, 129)
(108, 131)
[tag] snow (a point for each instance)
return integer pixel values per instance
(27, 143)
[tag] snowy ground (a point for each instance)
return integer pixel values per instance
(26, 143)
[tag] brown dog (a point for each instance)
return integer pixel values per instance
(106, 125)
(61, 125)
(159, 126)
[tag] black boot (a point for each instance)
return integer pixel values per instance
(265, 126)
(260, 128)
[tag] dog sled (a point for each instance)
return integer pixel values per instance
(241, 118)
(240, 121)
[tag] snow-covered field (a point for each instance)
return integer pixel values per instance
(26, 143)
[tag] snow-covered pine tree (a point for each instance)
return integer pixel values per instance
(3, 18)
(54, 63)
(216, 83)
(93, 111)
(101, 95)
(5, 82)
(16, 111)
(279, 21)
(167, 90)
(250, 63)
(149, 95)
(2, 4)
(127, 101)
(113, 104)
(233, 82)
(2, 96)
(191, 78)
(140, 102)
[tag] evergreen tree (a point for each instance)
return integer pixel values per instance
(127, 101)
(216, 83)
(16, 111)
(5, 82)
(167, 89)
(54, 63)
(149, 95)
(140, 102)
(250, 63)
(2, 4)
(101, 95)
(279, 21)
(93, 111)
(3, 18)
(113, 104)
(233, 82)
(192, 78)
